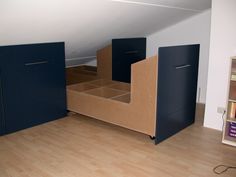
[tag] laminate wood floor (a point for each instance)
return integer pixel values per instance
(78, 146)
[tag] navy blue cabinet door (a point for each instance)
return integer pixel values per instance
(177, 88)
(124, 53)
(2, 128)
(33, 84)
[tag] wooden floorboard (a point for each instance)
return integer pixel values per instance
(78, 146)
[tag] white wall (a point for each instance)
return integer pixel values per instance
(87, 25)
(222, 47)
(195, 30)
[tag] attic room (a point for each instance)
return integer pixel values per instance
(117, 88)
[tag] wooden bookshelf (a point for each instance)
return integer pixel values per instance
(229, 130)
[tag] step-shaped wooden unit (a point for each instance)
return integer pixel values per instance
(132, 106)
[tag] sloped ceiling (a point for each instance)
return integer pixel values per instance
(87, 25)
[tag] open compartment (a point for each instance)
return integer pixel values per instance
(102, 82)
(233, 69)
(105, 92)
(232, 91)
(80, 74)
(230, 131)
(82, 87)
(120, 86)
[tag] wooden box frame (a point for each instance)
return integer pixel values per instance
(134, 109)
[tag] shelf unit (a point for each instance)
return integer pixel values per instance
(229, 130)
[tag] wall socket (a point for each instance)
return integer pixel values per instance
(221, 110)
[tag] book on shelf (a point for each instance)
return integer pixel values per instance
(233, 77)
(232, 113)
(232, 130)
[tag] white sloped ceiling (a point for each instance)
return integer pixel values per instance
(87, 25)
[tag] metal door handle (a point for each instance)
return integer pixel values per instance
(132, 52)
(36, 63)
(182, 66)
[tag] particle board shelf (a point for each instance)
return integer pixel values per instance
(120, 86)
(232, 91)
(229, 142)
(231, 120)
(83, 87)
(105, 92)
(103, 88)
(102, 82)
(123, 98)
(231, 100)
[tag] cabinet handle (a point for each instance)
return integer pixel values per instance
(36, 63)
(132, 52)
(182, 66)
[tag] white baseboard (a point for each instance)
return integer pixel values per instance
(70, 62)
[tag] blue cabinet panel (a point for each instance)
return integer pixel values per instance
(177, 88)
(33, 84)
(124, 53)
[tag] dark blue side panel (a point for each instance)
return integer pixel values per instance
(2, 124)
(177, 88)
(33, 84)
(124, 53)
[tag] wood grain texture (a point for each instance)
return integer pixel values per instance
(139, 114)
(200, 110)
(78, 146)
(104, 62)
(80, 74)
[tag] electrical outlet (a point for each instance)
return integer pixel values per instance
(221, 110)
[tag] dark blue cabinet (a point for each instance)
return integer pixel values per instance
(32, 85)
(177, 88)
(124, 53)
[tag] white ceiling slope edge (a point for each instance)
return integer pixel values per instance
(87, 25)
